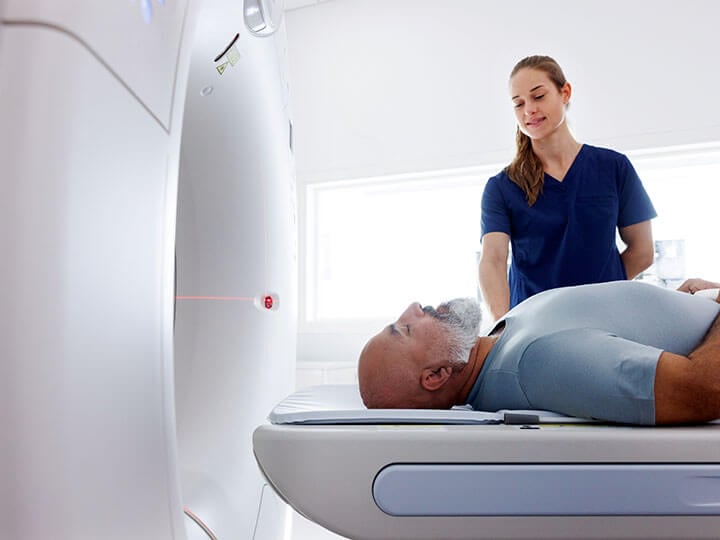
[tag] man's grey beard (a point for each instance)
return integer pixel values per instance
(461, 317)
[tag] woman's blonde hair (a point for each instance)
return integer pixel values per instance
(526, 169)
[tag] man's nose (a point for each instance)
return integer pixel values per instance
(414, 310)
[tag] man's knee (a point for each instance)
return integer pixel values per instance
(685, 390)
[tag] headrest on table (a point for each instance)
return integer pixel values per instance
(342, 404)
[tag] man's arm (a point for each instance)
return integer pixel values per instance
(493, 273)
(640, 251)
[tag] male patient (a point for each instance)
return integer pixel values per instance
(623, 351)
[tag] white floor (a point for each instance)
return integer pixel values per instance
(303, 529)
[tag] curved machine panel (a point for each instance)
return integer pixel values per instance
(92, 100)
(86, 380)
(236, 258)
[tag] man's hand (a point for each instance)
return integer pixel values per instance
(694, 285)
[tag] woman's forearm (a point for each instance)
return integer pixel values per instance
(494, 287)
(636, 260)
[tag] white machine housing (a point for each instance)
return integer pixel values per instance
(459, 475)
(130, 158)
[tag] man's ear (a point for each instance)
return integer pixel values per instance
(434, 379)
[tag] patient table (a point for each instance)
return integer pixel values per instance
(463, 474)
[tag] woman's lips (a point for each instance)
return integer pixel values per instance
(535, 123)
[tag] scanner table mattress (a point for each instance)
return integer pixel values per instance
(341, 404)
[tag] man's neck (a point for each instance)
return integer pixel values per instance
(470, 372)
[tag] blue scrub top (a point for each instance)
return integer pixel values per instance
(568, 237)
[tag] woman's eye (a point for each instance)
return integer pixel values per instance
(540, 96)
(517, 105)
(407, 326)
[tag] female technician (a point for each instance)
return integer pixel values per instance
(559, 203)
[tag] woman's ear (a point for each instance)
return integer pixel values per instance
(566, 92)
(434, 379)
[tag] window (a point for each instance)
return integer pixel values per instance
(684, 185)
(373, 246)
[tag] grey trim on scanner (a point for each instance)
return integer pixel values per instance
(548, 490)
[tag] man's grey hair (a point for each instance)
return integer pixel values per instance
(462, 317)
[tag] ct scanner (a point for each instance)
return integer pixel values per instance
(138, 137)
(147, 232)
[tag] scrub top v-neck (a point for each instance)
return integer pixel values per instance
(568, 236)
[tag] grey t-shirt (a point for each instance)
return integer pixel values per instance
(590, 351)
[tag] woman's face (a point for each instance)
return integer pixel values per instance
(539, 105)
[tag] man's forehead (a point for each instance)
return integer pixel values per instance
(373, 346)
(383, 347)
(373, 358)
(381, 341)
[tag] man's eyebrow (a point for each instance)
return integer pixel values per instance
(392, 329)
(531, 90)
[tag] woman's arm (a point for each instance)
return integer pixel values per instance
(640, 251)
(493, 273)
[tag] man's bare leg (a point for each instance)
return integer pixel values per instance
(687, 389)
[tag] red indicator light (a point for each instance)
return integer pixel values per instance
(267, 302)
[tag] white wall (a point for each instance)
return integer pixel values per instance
(381, 86)
(389, 86)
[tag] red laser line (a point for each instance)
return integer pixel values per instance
(221, 298)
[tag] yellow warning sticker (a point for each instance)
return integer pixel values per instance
(233, 56)
(222, 67)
